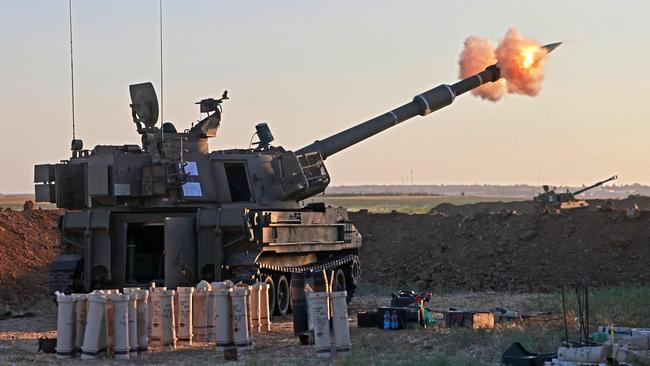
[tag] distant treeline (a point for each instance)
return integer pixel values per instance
(382, 194)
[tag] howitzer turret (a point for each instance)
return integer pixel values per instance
(171, 211)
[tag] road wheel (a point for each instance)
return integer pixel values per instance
(282, 296)
(353, 277)
(269, 281)
(355, 272)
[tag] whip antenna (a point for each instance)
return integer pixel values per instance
(71, 71)
(162, 90)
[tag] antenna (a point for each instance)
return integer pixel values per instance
(162, 89)
(72, 71)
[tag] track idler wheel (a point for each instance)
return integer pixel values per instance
(353, 277)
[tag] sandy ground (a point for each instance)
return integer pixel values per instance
(19, 338)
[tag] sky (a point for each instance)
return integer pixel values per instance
(312, 68)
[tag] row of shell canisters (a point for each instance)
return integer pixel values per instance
(126, 324)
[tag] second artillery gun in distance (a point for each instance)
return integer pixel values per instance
(550, 201)
(171, 211)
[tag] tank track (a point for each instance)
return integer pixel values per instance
(346, 262)
(324, 265)
(64, 274)
(62, 281)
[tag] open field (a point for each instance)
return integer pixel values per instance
(16, 201)
(406, 203)
(433, 346)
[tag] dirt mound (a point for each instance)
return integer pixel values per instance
(523, 207)
(502, 251)
(28, 242)
(642, 202)
(530, 207)
(479, 247)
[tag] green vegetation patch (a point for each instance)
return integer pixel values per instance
(406, 203)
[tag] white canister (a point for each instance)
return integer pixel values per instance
(318, 307)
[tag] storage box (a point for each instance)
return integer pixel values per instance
(473, 319)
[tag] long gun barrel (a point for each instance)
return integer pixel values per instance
(595, 185)
(421, 105)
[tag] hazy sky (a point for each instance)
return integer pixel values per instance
(313, 68)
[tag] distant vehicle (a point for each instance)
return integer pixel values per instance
(549, 200)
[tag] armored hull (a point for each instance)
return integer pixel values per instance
(233, 214)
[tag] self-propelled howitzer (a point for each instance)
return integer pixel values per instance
(550, 201)
(170, 211)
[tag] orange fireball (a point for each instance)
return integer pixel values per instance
(521, 62)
